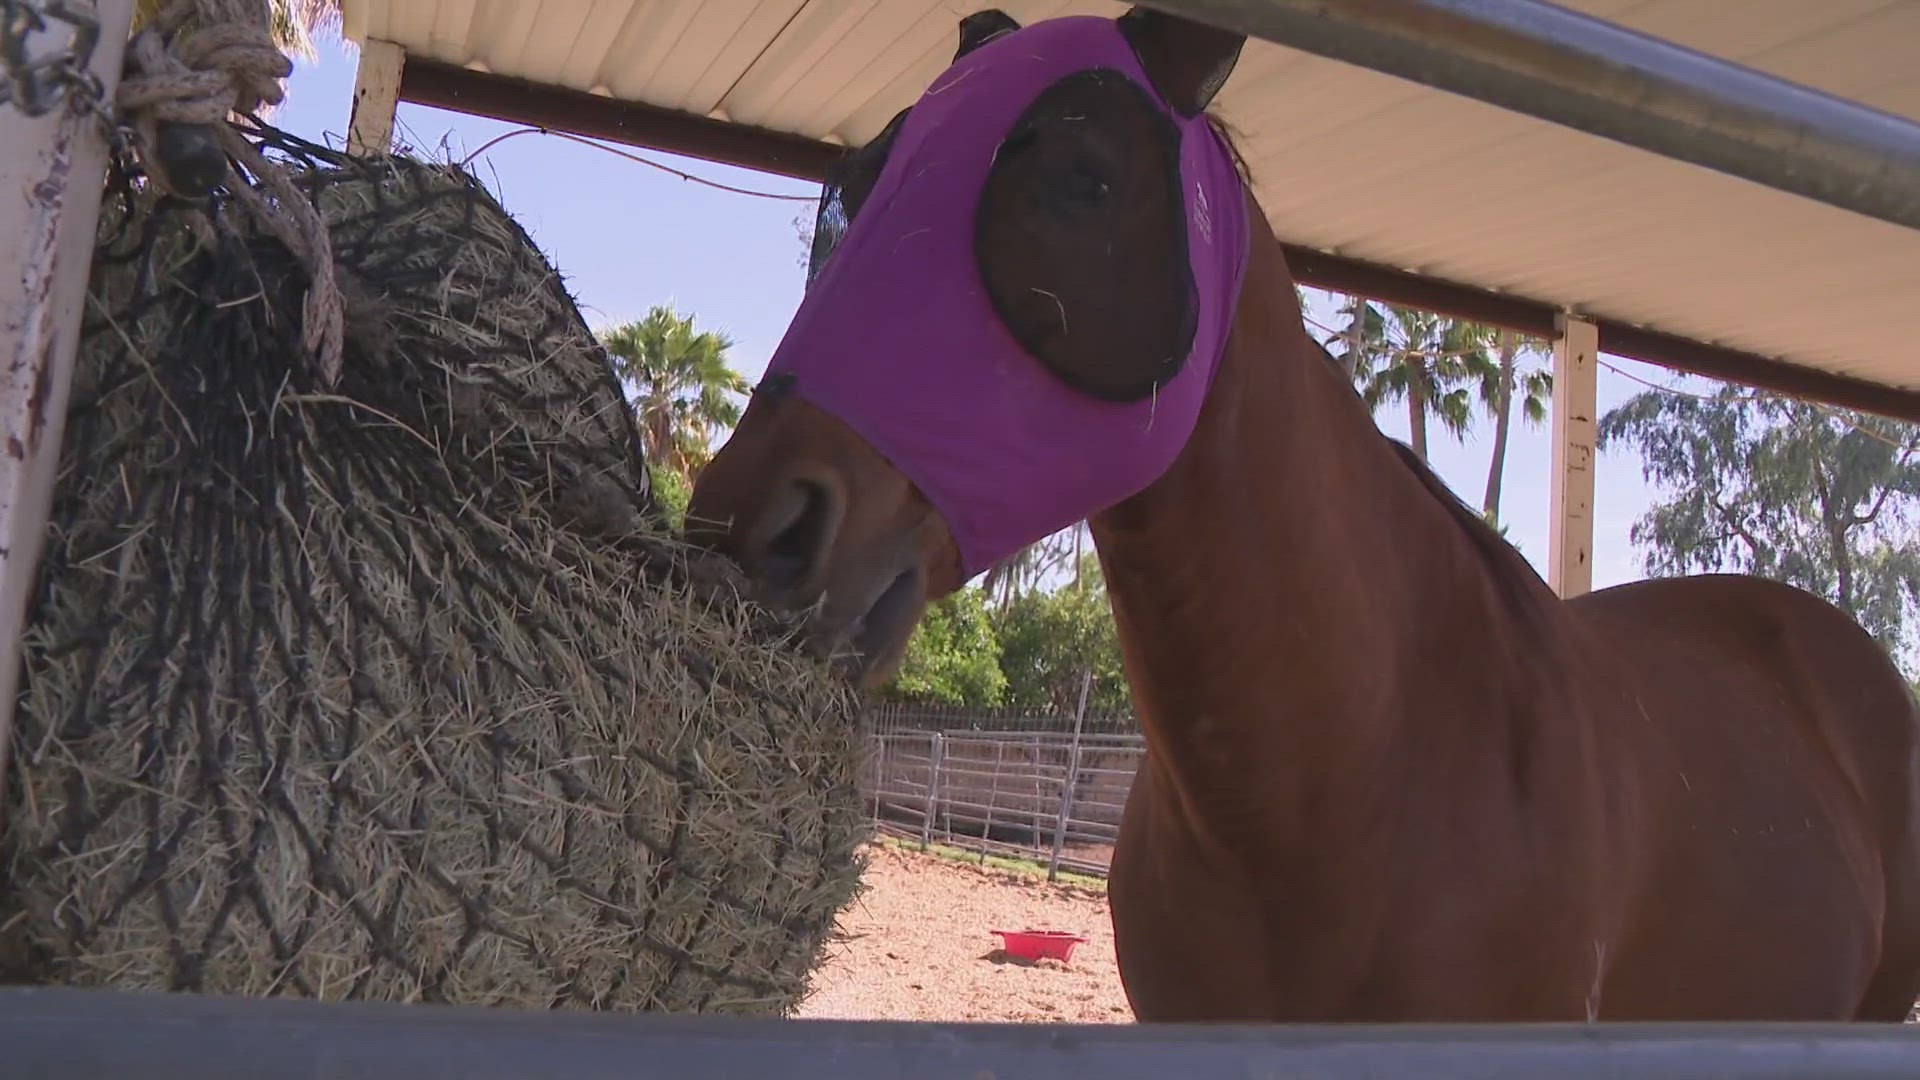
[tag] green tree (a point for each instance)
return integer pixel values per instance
(1819, 498)
(1431, 362)
(1026, 570)
(953, 657)
(671, 492)
(685, 387)
(1048, 640)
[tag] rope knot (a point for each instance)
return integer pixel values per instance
(200, 60)
(191, 68)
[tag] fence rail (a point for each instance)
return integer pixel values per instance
(1055, 797)
(895, 715)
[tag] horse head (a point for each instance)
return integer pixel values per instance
(1017, 297)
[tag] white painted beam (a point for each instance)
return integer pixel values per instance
(376, 96)
(1576, 355)
(52, 175)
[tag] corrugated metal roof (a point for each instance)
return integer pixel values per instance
(1344, 159)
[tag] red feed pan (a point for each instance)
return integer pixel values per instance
(1040, 944)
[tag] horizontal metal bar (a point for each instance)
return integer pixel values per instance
(1569, 68)
(450, 86)
(58, 1034)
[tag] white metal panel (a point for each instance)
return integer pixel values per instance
(651, 56)
(1344, 159)
(354, 21)
(766, 93)
(718, 71)
(542, 56)
(452, 29)
(600, 26)
(510, 47)
(412, 20)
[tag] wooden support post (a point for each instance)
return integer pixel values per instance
(1576, 354)
(376, 94)
(52, 174)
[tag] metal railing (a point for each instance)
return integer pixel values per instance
(88, 1035)
(1586, 73)
(1041, 794)
(893, 715)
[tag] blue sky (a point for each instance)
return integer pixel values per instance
(626, 237)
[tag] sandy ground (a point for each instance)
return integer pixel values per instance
(916, 947)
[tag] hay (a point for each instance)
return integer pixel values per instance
(393, 691)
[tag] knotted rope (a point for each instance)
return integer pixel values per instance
(195, 64)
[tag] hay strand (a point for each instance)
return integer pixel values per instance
(392, 689)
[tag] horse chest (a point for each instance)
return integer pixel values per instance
(1399, 926)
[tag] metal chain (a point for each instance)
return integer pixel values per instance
(36, 85)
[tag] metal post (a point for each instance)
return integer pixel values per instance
(1030, 793)
(376, 96)
(880, 768)
(1571, 69)
(1575, 400)
(936, 754)
(1073, 777)
(52, 173)
(993, 794)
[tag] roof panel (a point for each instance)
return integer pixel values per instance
(857, 121)
(506, 26)
(1345, 159)
(550, 41)
(413, 20)
(667, 44)
(453, 25)
(714, 71)
(593, 42)
(824, 47)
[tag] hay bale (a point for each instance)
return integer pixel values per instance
(391, 690)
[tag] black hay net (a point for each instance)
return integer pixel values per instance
(393, 688)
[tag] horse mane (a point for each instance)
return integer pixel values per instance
(1230, 139)
(1504, 561)
(1502, 557)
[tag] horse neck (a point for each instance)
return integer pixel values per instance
(1290, 587)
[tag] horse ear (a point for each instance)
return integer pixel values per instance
(983, 26)
(1188, 61)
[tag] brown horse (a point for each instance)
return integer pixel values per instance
(1390, 776)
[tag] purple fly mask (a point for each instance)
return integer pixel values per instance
(899, 339)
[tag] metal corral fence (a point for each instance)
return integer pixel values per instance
(893, 715)
(1037, 792)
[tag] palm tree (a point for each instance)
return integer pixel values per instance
(1428, 361)
(1364, 334)
(1536, 389)
(683, 385)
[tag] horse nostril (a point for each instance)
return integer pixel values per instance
(794, 553)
